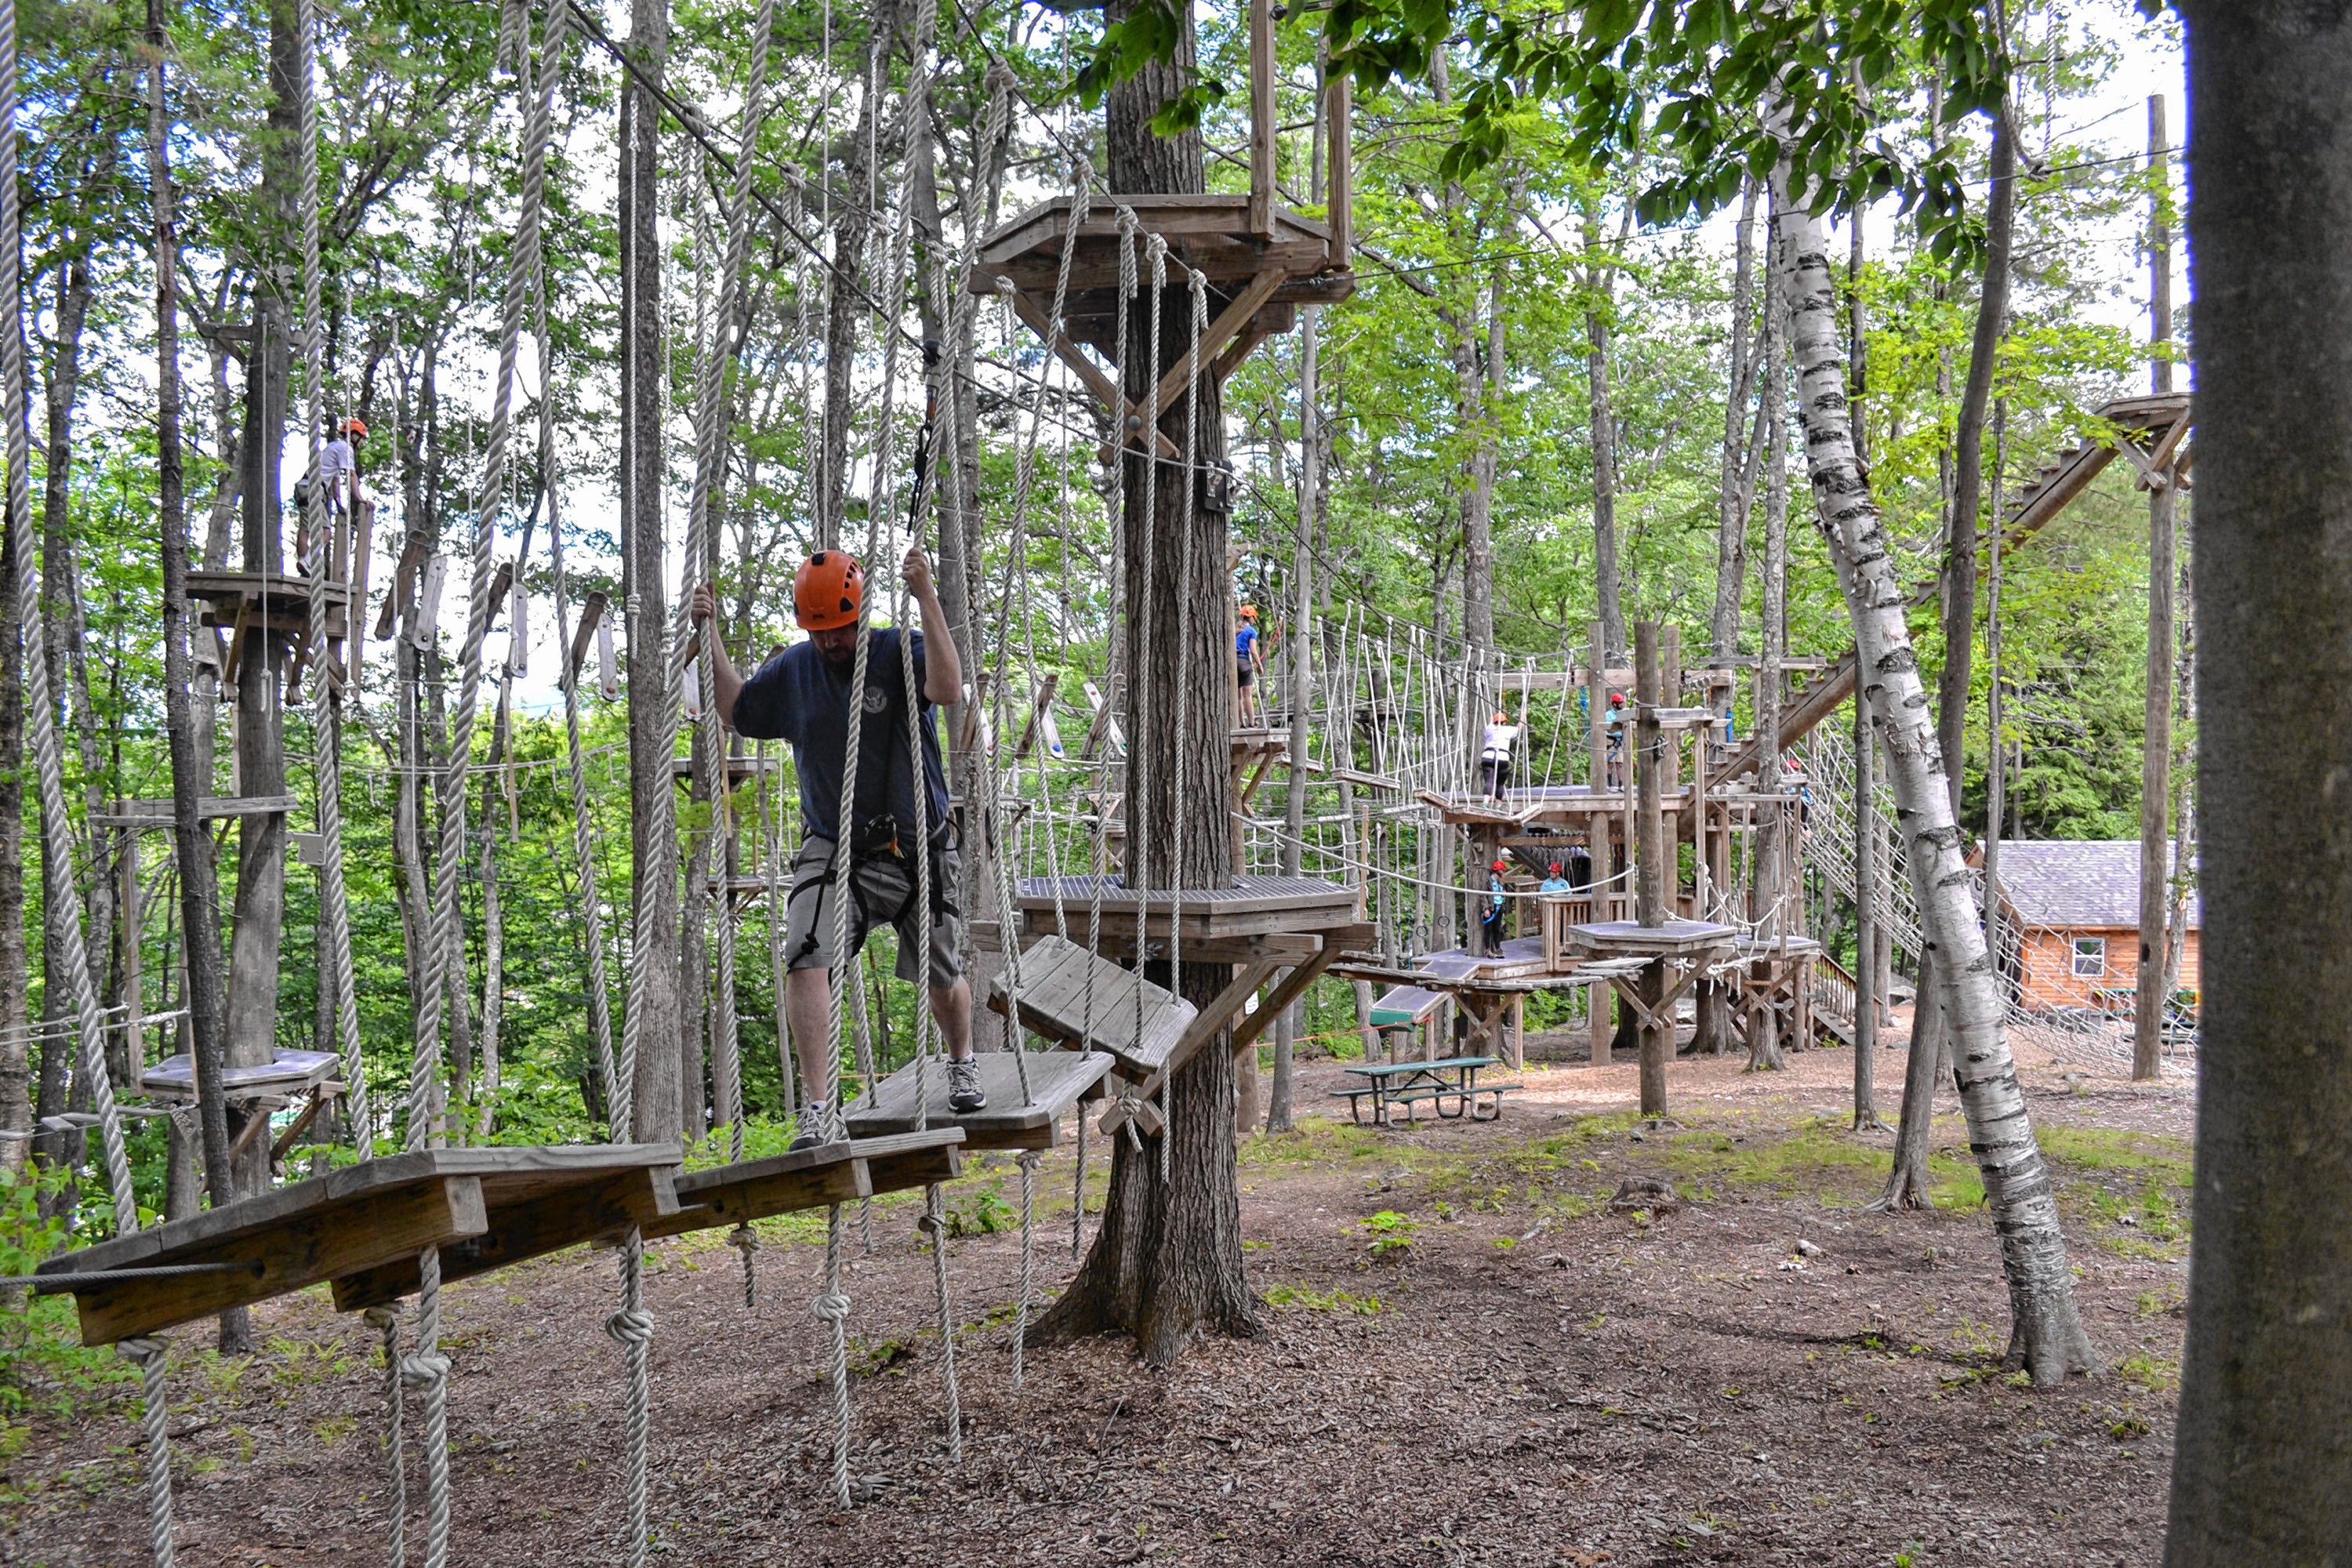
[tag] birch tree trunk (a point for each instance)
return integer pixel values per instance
(1731, 505)
(2046, 1334)
(1600, 306)
(1769, 876)
(2259, 1463)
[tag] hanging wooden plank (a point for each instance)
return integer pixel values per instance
(591, 615)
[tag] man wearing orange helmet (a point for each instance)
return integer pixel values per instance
(802, 696)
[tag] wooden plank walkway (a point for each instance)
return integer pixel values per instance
(810, 1179)
(377, 1214)
(1073, 998)
(1057, 1081)
(538, 1201)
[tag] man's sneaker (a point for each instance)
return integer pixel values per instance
(819, 1125)
(964, 1093)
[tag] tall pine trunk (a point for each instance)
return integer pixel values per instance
(2046, 1333)
(1166, 1265)
(2259, 1462)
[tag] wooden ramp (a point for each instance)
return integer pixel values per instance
(1076, 999)
(365, 1222)
(1057, 1081)
(1406, 1006)
(810, 1179)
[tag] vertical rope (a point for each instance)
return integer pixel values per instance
(148, 1355)
(702, 556)
(934, 1221)
(61, 907)
(385, 1320)
(428, 1371)
(831, 1308)
(633, 1327)
(326, 709)
(1027, 1160)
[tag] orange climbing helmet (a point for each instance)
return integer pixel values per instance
(1501, 719)
(828, 590)
(356, 428)
(1249, 612)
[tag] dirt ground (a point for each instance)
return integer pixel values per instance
(1468, 1357)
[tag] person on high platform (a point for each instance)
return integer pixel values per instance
(1495, 756)
(1249, 662)
(802, 696)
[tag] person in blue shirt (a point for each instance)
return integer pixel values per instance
(1249, 661)
(1554, 883)
(1490, 918)
(802, 695)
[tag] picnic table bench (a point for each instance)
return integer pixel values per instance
(1407, 1084)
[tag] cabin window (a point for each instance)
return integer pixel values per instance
(2090, 955)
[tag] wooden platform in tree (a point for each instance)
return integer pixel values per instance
(147, 813)
(1676, 939)
(1073, 998)
(1058, 1080)
(740, 769)
(366, 1216)
(1249, 906)
(290, 1071)
(537, 1201)
(810, 1179)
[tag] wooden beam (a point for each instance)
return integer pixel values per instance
(1340, 173)
(1228, 321)
(1261, 77)
(592, 610)
(1086, 371)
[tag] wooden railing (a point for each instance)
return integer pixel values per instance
(1834, 988)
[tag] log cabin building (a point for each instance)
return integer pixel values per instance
(2070, 911)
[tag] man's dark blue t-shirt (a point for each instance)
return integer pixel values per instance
(798, 698)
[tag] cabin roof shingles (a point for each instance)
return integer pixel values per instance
(2087, 883)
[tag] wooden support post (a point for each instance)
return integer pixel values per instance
(1340, 206)
(1261, 79)
(1650, 869)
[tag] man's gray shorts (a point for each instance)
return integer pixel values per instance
(884, 887)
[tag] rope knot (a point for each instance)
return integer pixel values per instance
(382, 1317)
(423, 1371)
(744, 1240)
(140, 1348)
(1004, 286)
(831, 1308)
(1027, 1159)
(1001, 77)
(631, 1326)
(932, 1225)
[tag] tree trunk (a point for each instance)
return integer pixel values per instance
(1600, 305)
(653, 814)
(2156, 739)
(1731, 505)
(1166, 1265)
(845, 304)
(199, 909)
(2046, 1333)
(1769, 875)
(2266, 1391)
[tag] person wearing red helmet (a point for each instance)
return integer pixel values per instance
(1490, 916)
(1249, 661)
(802, 696)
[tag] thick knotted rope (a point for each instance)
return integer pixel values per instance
(1027, 1160)
(385, 1320)
(326, 706)
(148, 1355)
(935, 1224)
(831, 1307)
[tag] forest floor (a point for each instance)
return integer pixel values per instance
(1468, 1357)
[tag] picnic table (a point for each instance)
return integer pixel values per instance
(1447, 1078)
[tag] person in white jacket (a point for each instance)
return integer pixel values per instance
(1494, 759)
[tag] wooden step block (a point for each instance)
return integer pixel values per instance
(1058, 1080)
(1076, 999)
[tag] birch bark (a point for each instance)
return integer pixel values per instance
(2046, 1334)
